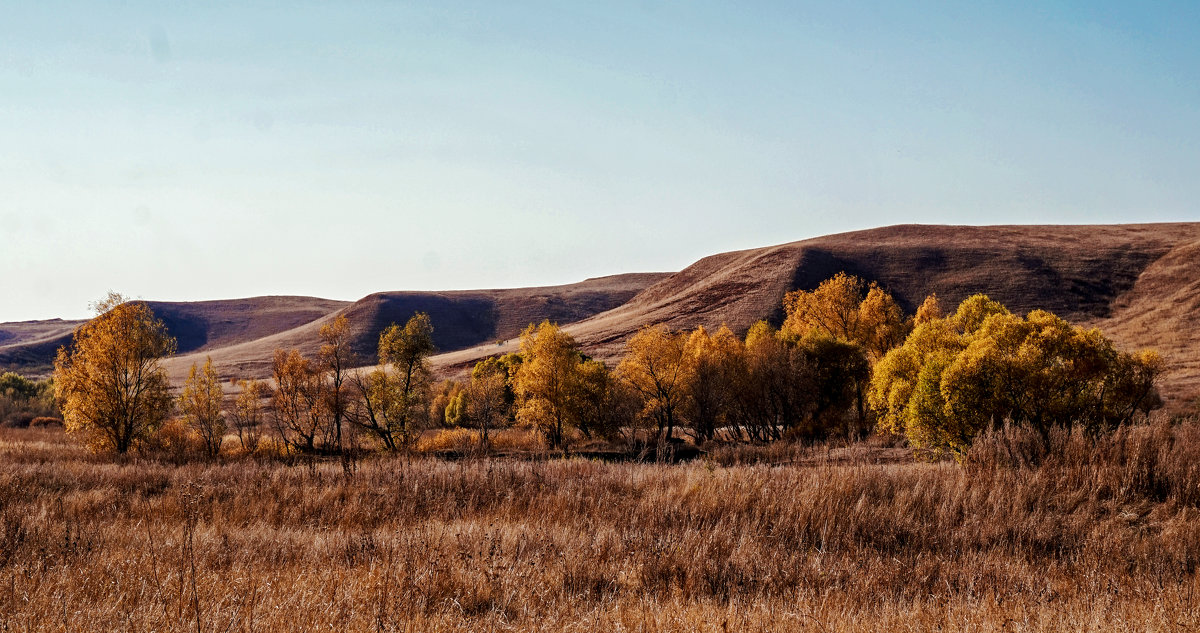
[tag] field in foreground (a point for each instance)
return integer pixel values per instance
(1102, 536)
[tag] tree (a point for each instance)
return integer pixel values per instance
(393, 402)
(929, 310)
(716, 363)
(200, 403)
(847, 308)
(247, 412)
(881, 324)
(837, 369)
(109, 381)
(23, 400)
(485, 397)
(657, 367)
(335, 357)
(775, 387)
(895, 376)
(601, 406)
(298, 400)
(444, 403)
(833, 308)
(545, 382)
(983, 366)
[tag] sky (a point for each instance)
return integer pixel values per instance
(189, 151)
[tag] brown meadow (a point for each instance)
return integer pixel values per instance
(1093, 535)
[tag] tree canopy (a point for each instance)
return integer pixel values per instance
(109, 381)
(983, 366)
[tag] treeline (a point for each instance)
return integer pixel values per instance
(845, 361)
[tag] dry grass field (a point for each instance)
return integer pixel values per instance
(1096, 535)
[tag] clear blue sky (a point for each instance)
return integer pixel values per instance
(204, 150)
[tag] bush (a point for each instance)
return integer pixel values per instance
(22, 400)
(982, 366)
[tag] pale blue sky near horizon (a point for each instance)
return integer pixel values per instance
(189, 151)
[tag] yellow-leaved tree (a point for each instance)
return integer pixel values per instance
(335, 358)
(546, 381)
(847, 308)
(984, 366)
(109, 382)
(658, 368)
(247, 412)
(200, 404)
(485, 406)
(392, 402)
(716, 363)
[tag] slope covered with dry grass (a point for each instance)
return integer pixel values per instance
(460, 319)
(198, 326)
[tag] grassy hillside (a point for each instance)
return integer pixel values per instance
(460, 319)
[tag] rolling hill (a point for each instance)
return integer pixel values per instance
(460, 319)
(1140, 283)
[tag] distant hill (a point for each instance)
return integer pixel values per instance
(460, 318)
(241, 334)
(1140, 283)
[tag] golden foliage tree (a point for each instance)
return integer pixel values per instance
(775, 386)
(335, 358)
(847, 308)
(603, 404)
(929, 310)
(546, 381)
(983, 366)
(109, 381)
(200, 404)
(485, 397)
(393, 401)
(656, 365)
(716, 364)
(298, 401)
(247, 412)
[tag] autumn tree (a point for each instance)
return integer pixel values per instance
(23, 400)
(546, 382)
(200, 404)
(298, 404)
(717, 361)
(657, 367)
(775, 388)
(247, 412)
(109, 381)
(393, 401)
(983, 366)
(848, 308)
(603, 404)
(929, 310)
(485, 407)
(335, 358)
(836, 369)
(446, 404)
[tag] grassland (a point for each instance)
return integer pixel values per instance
(1098, 535)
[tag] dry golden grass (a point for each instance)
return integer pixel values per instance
(1094, 536)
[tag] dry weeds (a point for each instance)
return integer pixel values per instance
(1095, 536)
